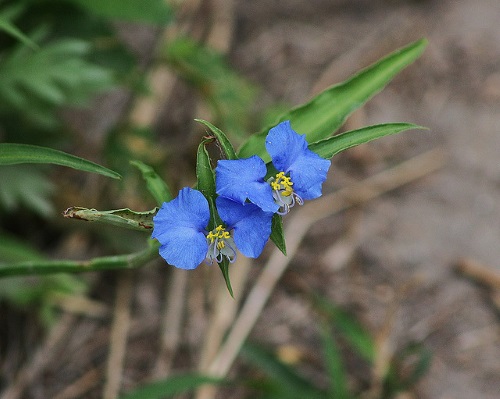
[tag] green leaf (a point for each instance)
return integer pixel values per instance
(206, 182)
(57, 74)
(331, 146)
(223, 141)
(155, 12)
(8, 27)
(154, 183)
(334, 365)
(28, 186)
(289, 380)
(120, 217)
(12, 154)
(326, 112)
(224, 268)
(172, 386)
(277, 233)
(407, 368)
(204, 171)
(348, 326)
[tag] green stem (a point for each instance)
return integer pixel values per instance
(128, 261)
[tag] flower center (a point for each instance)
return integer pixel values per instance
(220, 243)
(283, 193)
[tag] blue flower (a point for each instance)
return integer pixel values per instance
(180, 227)
(300, 173)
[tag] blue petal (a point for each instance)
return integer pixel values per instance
(179, 226)
(285, 145)
(308, 174)
(243, 179)
(252, 226)
(290, 153)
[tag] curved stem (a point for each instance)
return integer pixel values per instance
(128, 261)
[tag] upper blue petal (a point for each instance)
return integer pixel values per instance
(243, 179)
(179, 226)
(252, 226)
(290, 154)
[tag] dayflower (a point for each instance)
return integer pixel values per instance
(181, 228)
(300, 173)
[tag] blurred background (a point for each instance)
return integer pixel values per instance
(417, 266)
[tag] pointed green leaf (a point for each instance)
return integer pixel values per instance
(333, 145)
(9, 28)
(277, 233)
(325, 113)
(11, 154)
(288, 378)
(348, 326)
(223, 141)
(224, 267)
(154, 183)
(172, 386)
(334, 365)
(204, 171)
(120, 217)
(206, 182)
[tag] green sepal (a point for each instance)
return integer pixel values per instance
(277, 233)
(325, 113)
(224, 267)
(120, 217)
(12, 154)
(157, 187)
(333, 145)
(222, 140)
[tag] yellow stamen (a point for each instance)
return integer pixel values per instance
(282, 183)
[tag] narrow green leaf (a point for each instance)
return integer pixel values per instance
(277, 233)
(334, 365)
(154, 183)
(407, 368)
(126, 218)
(129, 261)
(348, 326)
(325, 113)
(222, 139)
(333, 145)
(11, 154)
(278, 371)
(206, 184)
(224, 267)
(172, 386)
(12, 30)
(204, 171)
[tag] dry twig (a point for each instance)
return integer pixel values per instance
(43, 356)
(119, 334)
